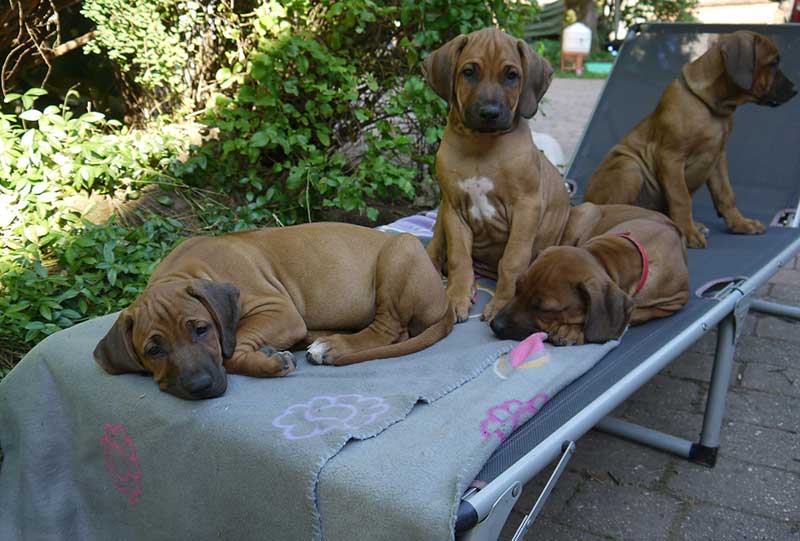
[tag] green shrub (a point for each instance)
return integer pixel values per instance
(329, 108)
(56, 268)
(97, 269)
(165, 52)
(550, 49)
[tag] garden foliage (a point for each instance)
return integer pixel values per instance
(55, 267)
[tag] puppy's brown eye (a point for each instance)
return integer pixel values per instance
(468, 72)
(512, 76)
(201, 330)
(153, 351)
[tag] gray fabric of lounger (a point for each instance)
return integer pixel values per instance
(94, 456)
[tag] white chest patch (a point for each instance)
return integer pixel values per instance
(477, 188)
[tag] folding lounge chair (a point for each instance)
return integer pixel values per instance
(764, 158)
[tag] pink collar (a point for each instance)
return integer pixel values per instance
(645, 259)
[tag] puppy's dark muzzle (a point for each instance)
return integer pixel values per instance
(498, 327)
(199, 385)
(782, 91)
(487, 117)
(505, 329)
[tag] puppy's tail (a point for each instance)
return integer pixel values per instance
(426, 338)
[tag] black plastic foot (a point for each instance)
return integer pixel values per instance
(705, 456)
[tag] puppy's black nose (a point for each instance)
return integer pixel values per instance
(197, 383)
(498, 326)
(490, 111)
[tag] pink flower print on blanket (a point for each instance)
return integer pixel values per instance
(122, 464)
(323, 414)
(503, 419)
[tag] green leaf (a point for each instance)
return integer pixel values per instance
(247, 94)
(92, 117)
(108, 252)
(259, 139)
(31, 115)
(30, 234)
(45, 311)
(165, 200)
(302, 65)
(40, 269)
(361, 115)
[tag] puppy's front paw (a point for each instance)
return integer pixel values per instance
(566, 335)
(461, 304)
(258, 364)
(701, 228)
(491, 309)
(694, 238)
(747, 226)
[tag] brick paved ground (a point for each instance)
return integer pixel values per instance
(618, 489)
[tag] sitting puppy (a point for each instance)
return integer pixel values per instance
(681, 145)
(216, 302)
(502, 201)
(633, 271)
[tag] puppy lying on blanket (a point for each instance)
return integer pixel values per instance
(215, 302)
(617, 265)
(680, 146)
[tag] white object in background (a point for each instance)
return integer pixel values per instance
(576, 38)
(548, 144)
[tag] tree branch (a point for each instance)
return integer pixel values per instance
(71, 45)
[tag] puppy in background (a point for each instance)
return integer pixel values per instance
(589, 290)
(502, 201)
(681, 145)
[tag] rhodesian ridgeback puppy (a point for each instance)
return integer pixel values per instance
(620, 265)
(215, 303)
(502, 201)
(681, 145)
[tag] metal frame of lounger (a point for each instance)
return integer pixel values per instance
(484, 511)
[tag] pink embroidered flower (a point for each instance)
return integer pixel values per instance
(122, 464)
(501, 420)
(322, 414)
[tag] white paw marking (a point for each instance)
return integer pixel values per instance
(317, 351)
(477, 188)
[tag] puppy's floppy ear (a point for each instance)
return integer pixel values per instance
(222, 302)
(115, 353)
(439, 67)
(608, 310)
(739, 57)
(536, 80)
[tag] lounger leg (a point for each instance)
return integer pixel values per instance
(646, 436)
(490, 527)
(569, 450)
(705, 452)
(775, 309)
